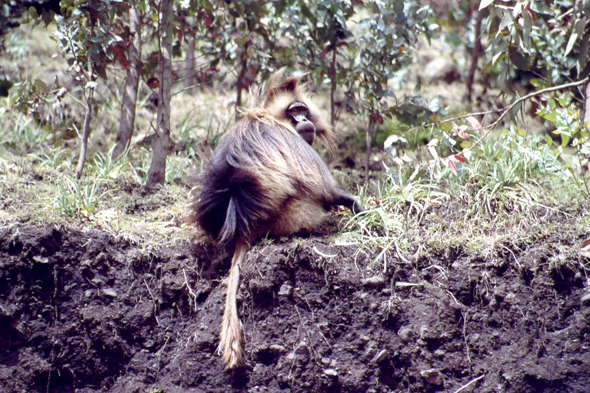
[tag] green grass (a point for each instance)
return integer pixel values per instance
(414, 211)
(509, 185)
(76, 200)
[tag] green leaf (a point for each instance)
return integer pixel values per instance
(263, 54)
(549, 140)
(33, 12)
(487, 68)
(207, 5)
(517, 10)
(580, 26)
(527, 27)
(448, 126)
(507, 20)
(562, 101)
(570, 43)
(435, 104)
(565, 139)
(485, 4)
(519, 61)
(551, 116)
(515, 109)
(497, 56)
(583, 55)
(41, 86)
(540, 7)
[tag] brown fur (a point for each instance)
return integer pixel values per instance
(264, 179)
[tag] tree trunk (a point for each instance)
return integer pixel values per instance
(369, 139)
(474, 55)
(87, 119)
(240, 83)
(333, 87)
(587, 106)
(129, 102)
(585, 123)
(190, 80)
(162, 142)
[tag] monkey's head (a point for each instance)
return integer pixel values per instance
(287, 100)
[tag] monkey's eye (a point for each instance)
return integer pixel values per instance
(297, 111)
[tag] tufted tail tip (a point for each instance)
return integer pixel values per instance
(231, 347)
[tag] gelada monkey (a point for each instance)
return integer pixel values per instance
(266, 179)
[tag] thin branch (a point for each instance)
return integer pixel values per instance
(565, 14)
(455, 118)
(504, 111)
(190, 87)
(75, 54)
(521, 99)
(470, 383)
(77, 100)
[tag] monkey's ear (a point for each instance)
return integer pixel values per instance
(290, 83)
(278, 84)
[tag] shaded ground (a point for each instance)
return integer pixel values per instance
(81, 310)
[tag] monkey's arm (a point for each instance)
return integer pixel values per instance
(344, 199)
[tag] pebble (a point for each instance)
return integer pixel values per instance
(286, 289)
(405, 334)
(374, 281)
(40, 259)
(424, 332)
(149, 344)
(432, 376)
(302, 348)
(278, 348)
(109, 292)
(382, 355)
(331, 372)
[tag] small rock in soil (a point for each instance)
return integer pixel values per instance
(405, 334)
(149, 344)
(276, 348)
(286, 289)
(373, 282)
(40, 259)
(432, 376)
(109, 292)
(371, 348)
(382, 355)
(302, 348)
(424, 332)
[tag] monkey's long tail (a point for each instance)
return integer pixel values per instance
(231, 343)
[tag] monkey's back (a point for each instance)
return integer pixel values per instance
(263, 178)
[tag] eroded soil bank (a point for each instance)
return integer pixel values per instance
(82, 310)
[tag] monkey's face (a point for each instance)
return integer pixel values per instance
(298, 115)
(288, 101)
